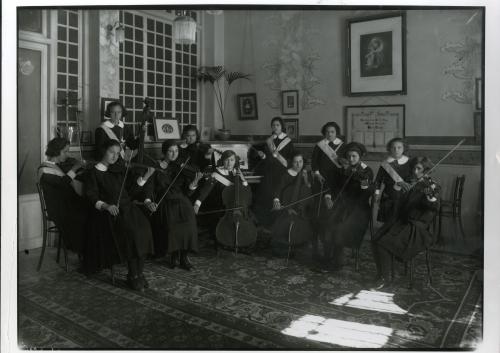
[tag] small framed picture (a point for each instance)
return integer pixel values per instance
(247, 106)
(85, 138)
(104, 104)
(290, 102)
(479, 94)
(166, 129)
(292, 128)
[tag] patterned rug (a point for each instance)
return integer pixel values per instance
(254, 302)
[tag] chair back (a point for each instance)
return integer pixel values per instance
(458, 190)
(45, 214)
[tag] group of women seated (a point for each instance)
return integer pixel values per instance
(128, 212)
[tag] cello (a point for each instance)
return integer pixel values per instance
(294, 226)
(235, 229)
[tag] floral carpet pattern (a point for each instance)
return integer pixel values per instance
(255, 302)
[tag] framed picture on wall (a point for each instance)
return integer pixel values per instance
(104, 104)
(247, 106)
(292, 128)
(376, 55)
(166, 129)
(374, 125)
(290, 102)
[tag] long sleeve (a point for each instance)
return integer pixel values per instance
(206, 190)
(55, 180)
(149, 187)
(100, 139)
(92, 189)
(315, 159)
(379, 178)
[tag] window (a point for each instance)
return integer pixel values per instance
(68, 70)
(151, 65)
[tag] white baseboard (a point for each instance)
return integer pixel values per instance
(30, 222)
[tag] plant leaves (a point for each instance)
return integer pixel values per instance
(236, 75)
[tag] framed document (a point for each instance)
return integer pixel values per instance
(374, 125)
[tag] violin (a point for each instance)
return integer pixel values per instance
(235, 229)
(425, 185)
(294, 226)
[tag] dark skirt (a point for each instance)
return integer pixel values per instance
(114, 240)
(347, 225)
(272, 171)
(405, 239)
(174, 226)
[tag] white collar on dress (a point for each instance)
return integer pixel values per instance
(292, 172)
(101, 167)
(402, 160)
(223, 171)
(363, 165)
(335, 142)
(280, 136)
(50, 162)
(163, 164)
(109, 124)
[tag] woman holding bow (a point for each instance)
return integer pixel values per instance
(351, 213)
(409, 232)
(173, 221)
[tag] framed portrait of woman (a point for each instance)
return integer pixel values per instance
(376, 55)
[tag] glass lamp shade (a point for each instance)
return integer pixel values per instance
(120, 33)
(184, 30)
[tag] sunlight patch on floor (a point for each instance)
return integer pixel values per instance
(339, 332)
(370, 300)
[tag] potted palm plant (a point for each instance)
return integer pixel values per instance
(221, 81)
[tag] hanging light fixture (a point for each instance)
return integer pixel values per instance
(184, 29)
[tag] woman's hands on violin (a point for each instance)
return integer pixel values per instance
(319, 177)
(149, 173)
(329, 202)
(403, 186)
(112, 209)
(151, 206)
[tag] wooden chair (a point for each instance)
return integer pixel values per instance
(453, 208)
(411, 265)
(49, 227)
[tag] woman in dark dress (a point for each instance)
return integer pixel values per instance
(275, 156)
(120, 230)
(351, 213)
(200, 154)
(210, 195)
(327, 167)
(393, 173)
(65, 207)
(409, 232)
(294, 220)
(173, 219)
(114, 129)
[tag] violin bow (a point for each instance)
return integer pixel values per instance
(302, 200)
(123, 182)
(342, 189)
(445, 156)
(173, 181)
